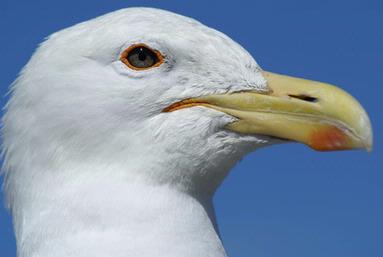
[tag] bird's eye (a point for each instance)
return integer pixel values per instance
(141, 57)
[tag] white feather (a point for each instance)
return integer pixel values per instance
(94, 167)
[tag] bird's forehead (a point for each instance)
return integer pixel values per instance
(140, 21)
(151, 20)
(145, 24)
(193, 51)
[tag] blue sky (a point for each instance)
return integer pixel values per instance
(285, 200)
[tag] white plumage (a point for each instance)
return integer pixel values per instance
(94, 167)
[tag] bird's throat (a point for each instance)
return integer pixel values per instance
(119, 219)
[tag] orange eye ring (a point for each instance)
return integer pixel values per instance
(141, 57)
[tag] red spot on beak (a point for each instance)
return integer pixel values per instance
(329, 138)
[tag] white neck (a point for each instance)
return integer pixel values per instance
(109, 218)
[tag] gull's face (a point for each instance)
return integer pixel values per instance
(149, 83)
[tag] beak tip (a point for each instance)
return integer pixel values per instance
(367, 136)
(369, 143)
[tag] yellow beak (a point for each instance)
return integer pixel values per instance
(319, 115)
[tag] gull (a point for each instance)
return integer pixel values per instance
(119, 130)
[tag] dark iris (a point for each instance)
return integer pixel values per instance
(142, 57)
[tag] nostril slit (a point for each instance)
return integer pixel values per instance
(305, 98)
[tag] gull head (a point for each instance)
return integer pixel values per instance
(148, 95)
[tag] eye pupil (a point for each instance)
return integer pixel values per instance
(141, 54)
(141, 57)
